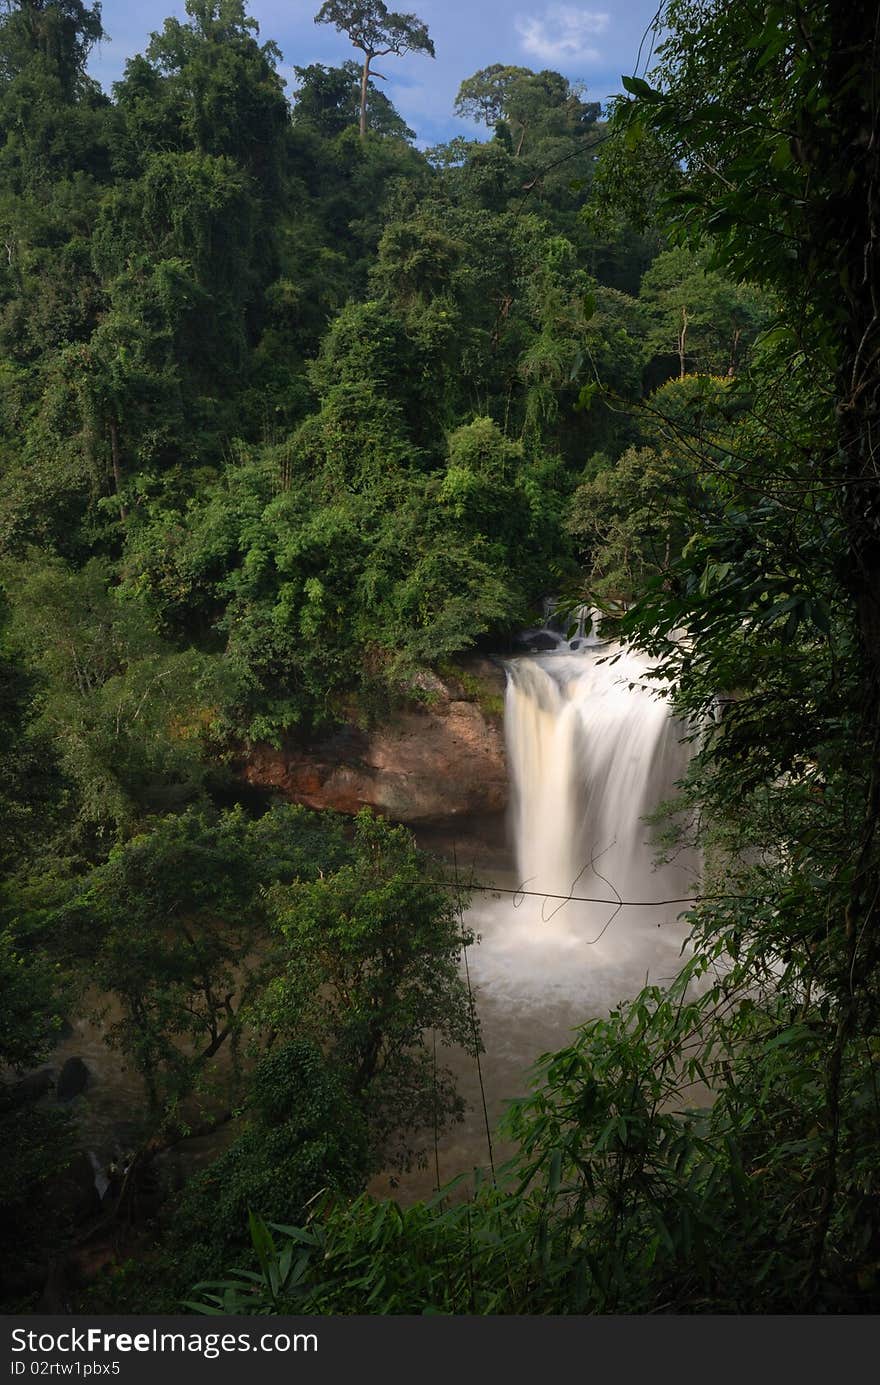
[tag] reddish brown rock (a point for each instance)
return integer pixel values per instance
(442, 759)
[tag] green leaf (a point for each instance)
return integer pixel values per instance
(555, 1175)
(205, 1309)
(586, 395)
(637, 86)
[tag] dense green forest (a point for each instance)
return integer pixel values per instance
(293, 412)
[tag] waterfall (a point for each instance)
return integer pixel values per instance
(592, 749)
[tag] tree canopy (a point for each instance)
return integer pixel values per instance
(377, 32)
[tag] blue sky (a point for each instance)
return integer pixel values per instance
(592, 43)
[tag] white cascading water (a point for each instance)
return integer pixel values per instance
(592, 749)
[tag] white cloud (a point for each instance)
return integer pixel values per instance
(562, 34)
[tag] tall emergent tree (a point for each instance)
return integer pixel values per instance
(376, 31)
(531, 105)
(61, 33)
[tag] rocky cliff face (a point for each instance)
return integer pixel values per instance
(441, 758)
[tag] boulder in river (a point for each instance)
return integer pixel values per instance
(537, 641)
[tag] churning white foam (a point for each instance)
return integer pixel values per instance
(592, 748)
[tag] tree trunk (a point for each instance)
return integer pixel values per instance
(365, 77)
(682, 341)
(117, 463)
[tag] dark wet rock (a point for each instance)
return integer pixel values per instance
(72, 1192)
(73, 1080)
(55, 1297)
(64, 1031)
(33, 1086)
(539, 641)
(574, 644)
(170, 1172)
(21, 1277)
(126, 1137)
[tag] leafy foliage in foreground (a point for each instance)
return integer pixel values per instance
(279, 977)
(624, 1196)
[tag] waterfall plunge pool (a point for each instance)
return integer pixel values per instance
(592, 750)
